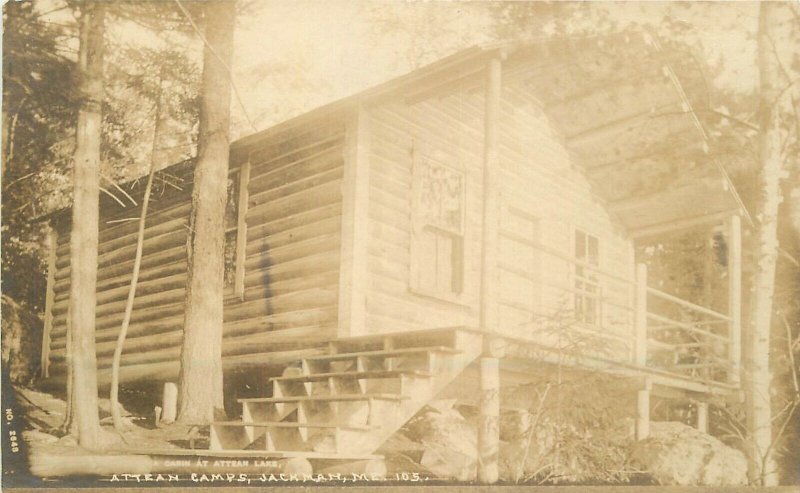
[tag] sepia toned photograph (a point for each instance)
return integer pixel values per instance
(263, 244)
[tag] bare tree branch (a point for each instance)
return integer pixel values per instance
(120, 189)
(733, 119)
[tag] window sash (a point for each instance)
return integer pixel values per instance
(587, 308)
(235, 210)
(437, 240)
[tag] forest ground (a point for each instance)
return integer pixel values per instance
(43, 416)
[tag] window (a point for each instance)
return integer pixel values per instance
(437, 245)
(235, 231)
(587, 288)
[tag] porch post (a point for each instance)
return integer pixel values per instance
(640, 357)
(640, 317)
(169, 403)
(735, 298)
(489, 238)
(643, 410)
(702, 417)
(489, 421)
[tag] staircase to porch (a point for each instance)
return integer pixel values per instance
(347, 402)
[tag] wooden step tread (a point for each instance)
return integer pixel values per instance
(340, 397)
(291, 424)
(384, 353)
(352, 374)
(399, 336)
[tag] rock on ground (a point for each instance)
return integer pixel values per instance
(677, 454)
(450, 443)
(447, 443)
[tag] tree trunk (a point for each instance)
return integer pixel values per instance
(84, 238)
(200, 393)
(761, 469)
(69, 426)
(116, 415)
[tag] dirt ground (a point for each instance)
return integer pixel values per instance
(44, 416)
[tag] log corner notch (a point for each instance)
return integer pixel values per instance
(355, 223)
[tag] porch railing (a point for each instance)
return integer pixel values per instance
(669, 333)
(679, 336)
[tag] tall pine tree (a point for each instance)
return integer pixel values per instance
(84, 235)
(200, 387)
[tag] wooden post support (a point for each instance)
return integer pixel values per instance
(241, 229)
(702, 417)
(643, 411)
(489, 421)
(735, 298)
(355, 221)
(169, 403)
(640, 316)
(490, 240)
(49, 302)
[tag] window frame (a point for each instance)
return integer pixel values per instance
(587, 280)
(235, 290)
(419, 226)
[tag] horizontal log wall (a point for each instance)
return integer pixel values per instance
(290, 267)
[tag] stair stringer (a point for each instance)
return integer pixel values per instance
(416, 395)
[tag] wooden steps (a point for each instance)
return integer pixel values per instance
(272, 436)
(351, 374)
(348, 401)
(384, 353)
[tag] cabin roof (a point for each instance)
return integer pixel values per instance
(617, 102)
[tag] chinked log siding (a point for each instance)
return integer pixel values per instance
(291, 263)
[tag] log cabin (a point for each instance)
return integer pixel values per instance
(444, 232)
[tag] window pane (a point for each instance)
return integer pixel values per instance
(441, 195)
(457, 262)
(230, 257)
(580, 245)
(426, 253)
(232, 202)
(587, 306)
(444, 263)
(594, 251)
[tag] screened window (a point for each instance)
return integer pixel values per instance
(235, 230)
(587, 287)
(231, 229)
(437, 250)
